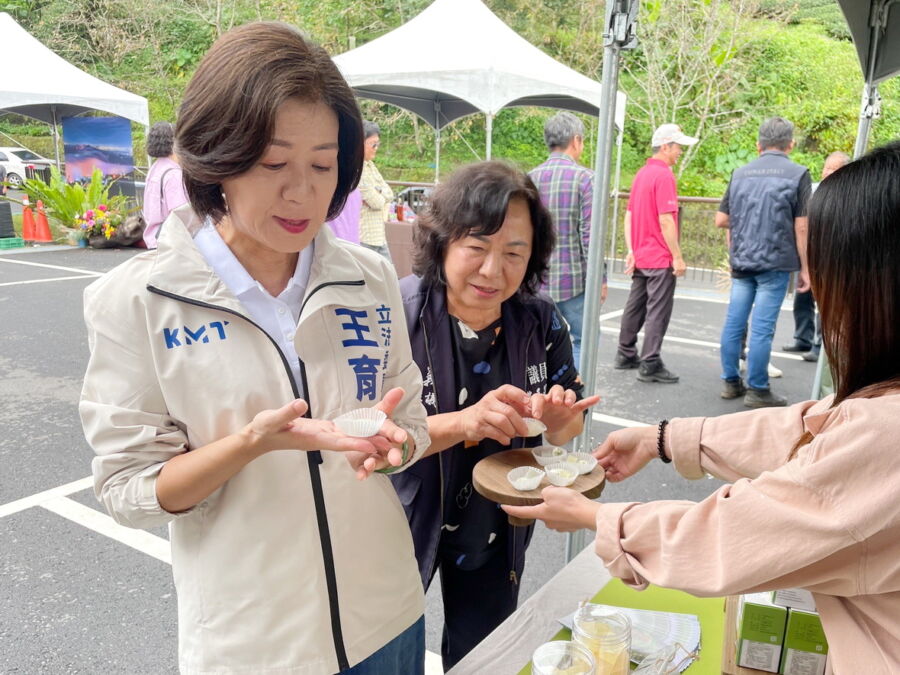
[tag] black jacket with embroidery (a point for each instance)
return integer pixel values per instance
(540, 355)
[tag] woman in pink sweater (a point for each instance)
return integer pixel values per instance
(814, 500)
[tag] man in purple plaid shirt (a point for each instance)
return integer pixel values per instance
(567, 190)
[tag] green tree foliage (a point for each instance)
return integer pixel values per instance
(764, 57)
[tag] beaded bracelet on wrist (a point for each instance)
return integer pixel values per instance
(661, 441)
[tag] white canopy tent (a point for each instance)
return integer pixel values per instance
(458, 58)
(47, 87)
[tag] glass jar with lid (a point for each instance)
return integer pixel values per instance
(607, 635)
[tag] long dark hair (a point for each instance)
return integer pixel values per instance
(854, 263)
(474, 200)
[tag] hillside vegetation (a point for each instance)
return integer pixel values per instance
(716, 67)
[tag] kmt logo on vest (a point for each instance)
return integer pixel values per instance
(191, 336)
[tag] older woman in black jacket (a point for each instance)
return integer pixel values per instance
(492, 351)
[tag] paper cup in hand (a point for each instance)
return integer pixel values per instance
(362, 422)
(535, 427)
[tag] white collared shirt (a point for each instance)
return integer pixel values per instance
(277, 316)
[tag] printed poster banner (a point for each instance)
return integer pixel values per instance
(102, 142)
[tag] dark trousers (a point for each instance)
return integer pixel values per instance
(475, 603)
(649, 306)
(805, 319)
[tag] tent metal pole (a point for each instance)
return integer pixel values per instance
(868, 111)
(437, 155)
(55, 137)
(618, 35)
(615, 196)
(488, 132)
(437, 141)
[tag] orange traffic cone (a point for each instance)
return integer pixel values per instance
(28, 226)
(42, 227)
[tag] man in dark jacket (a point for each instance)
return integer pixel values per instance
(764, 209)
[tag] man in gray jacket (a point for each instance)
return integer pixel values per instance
(764, 209)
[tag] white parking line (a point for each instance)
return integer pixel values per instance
(101, 523)
(37, 499)
(41, 281)
(715, 345)
(617, 421)
(705, 343)
(612, 315)
(89, 273)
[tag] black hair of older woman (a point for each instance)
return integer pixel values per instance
(854, 254)
(227, 115)
(474, 201)
(161, 140)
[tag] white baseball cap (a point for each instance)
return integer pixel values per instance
(671, 133)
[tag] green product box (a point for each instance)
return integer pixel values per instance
(805, 646)
(760, 630)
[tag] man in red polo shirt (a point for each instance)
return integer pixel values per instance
(654, 257)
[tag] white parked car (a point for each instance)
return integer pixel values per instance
(15, 160)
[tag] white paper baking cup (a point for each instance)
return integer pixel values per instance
(535, 427)
(562, 474)
(585, 461)
(525, 478)
(548, 454)
(362, 422)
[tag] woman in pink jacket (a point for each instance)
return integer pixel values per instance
(814, 499)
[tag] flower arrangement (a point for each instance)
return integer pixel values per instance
(87, 209)
(99, 221)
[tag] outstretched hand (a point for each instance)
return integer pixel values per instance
(564, 510)
(558, 407)
(285, 428)
(626, 451)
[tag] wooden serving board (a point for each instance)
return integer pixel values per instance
(489, 479)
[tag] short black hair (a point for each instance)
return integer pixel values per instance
(161, 140)
(474, 201)
(228, 110)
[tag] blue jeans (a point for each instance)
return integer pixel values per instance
(404, 654)
(573, 312)
(763, 294)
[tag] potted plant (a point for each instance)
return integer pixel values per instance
(84, 211)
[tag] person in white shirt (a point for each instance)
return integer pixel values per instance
(220, 360)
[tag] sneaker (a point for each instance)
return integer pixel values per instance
(763, 398)
(734, 388)
(623, 362)
(797, 347)
(656, 372)
(812, 355)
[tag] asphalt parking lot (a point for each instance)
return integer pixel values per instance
(80, 594)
